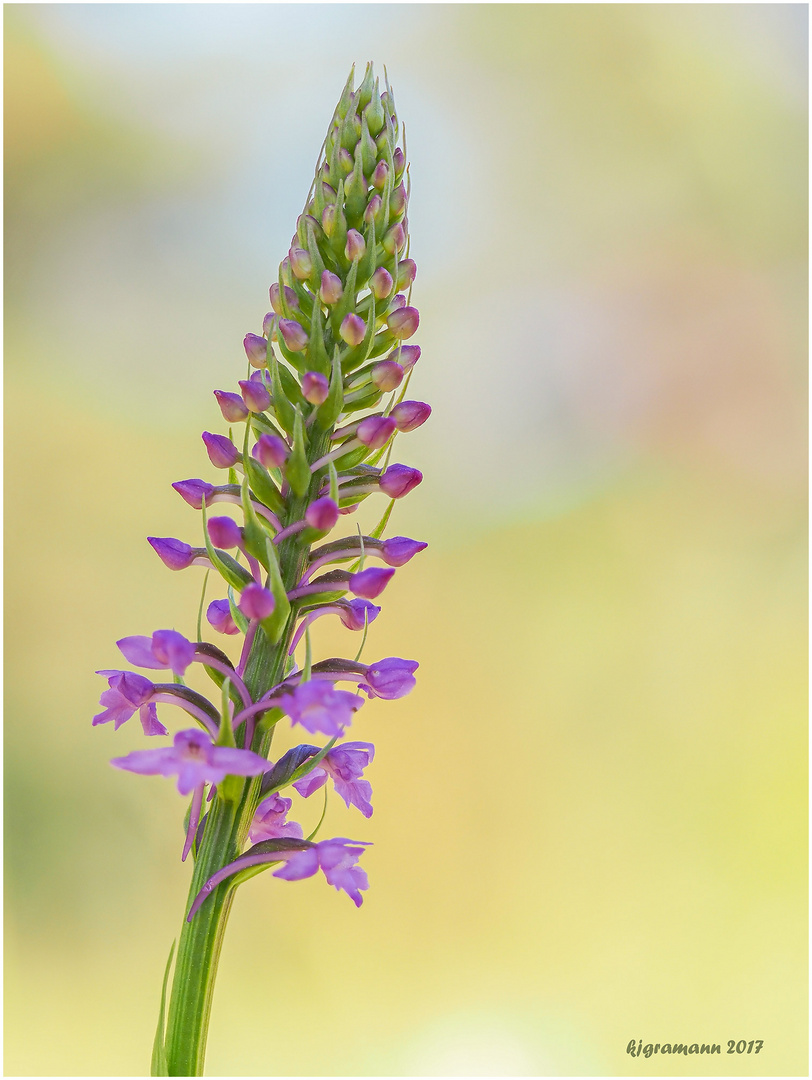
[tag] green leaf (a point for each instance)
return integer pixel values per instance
(377, 532)
(254, 534)
(225, 736)
(159, 1063)
(236, 614)
(330, 409)
(275, 623)
(263, 486)
(285, 413)
(297, 467)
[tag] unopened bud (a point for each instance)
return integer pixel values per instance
(322, 514)
(345, 162)
(291, 298)
(398, 301)
(407, 272)
(172, 553)
(328, 219)
(409, 415)
(375, 431)
(256, 349)
(398, 480)
(256, 602)
(271, 451)
(255, 395)
(352, 329)
(379, 176)
(370, 583)
(300, 263)
(398, 550)
(373, 206)
(315, 387)
(394, 239)
(403, 322)
(398, 200)
(294, 335)
(268, 326)
(193, 491)
(232, 406)
(223, 454)
(356, 245)
(381, 283)
(407, 356)
(387, 375)
(218, 615)
(331, 288)
(224, 532)
(399, 162)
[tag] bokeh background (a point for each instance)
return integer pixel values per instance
(590, 816)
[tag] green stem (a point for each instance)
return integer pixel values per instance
(224, 839)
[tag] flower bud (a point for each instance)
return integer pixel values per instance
(256, 349)
(409, 415)
(398, 301)
(293, 335)
(315, 387)
(256, 602)
(403, 322)
(379, 176)
(192, 491)
(223, 454)
(268, 326)
(291, 299)
(172, 553)
(224, 532)
(353, 328)
(356, 245)
(391, 678)
(357, 613)
(381, 283)
(271, 451)
(399, 161)
(331, 288)
(387, 375)
(232, 406)
(329, 217)
(407, 356)
(322, 514)
(394, 239)
(407, 272)
(370, 583)
(300, 263)
(218, 614)
(398, 200)
(375, 431)
(373, 206)
(397, 550)
(399, 480)
(345, 162)
(255, 395)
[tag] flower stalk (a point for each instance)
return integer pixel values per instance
(317, 421)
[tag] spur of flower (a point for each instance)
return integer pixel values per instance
(300, 439)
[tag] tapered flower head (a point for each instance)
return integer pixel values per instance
(271, 451)
(398, 550)
(371, 582)
(403, 322)
(224, 532)
(232, 406)
(376, 431)
(173, 553)
(409, 415)
(255, 395)
(195, 760)
(399, 480)
(194, 491)
(256, 349)
(223, 454)
(293, 335)
(256, 602)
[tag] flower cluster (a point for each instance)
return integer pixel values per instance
(310, 429)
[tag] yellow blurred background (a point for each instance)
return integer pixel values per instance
(590, 819)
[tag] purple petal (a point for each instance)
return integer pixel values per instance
(302, 864)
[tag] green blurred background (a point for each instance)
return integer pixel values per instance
(590, 815)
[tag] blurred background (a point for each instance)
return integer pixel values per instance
(590, 818)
